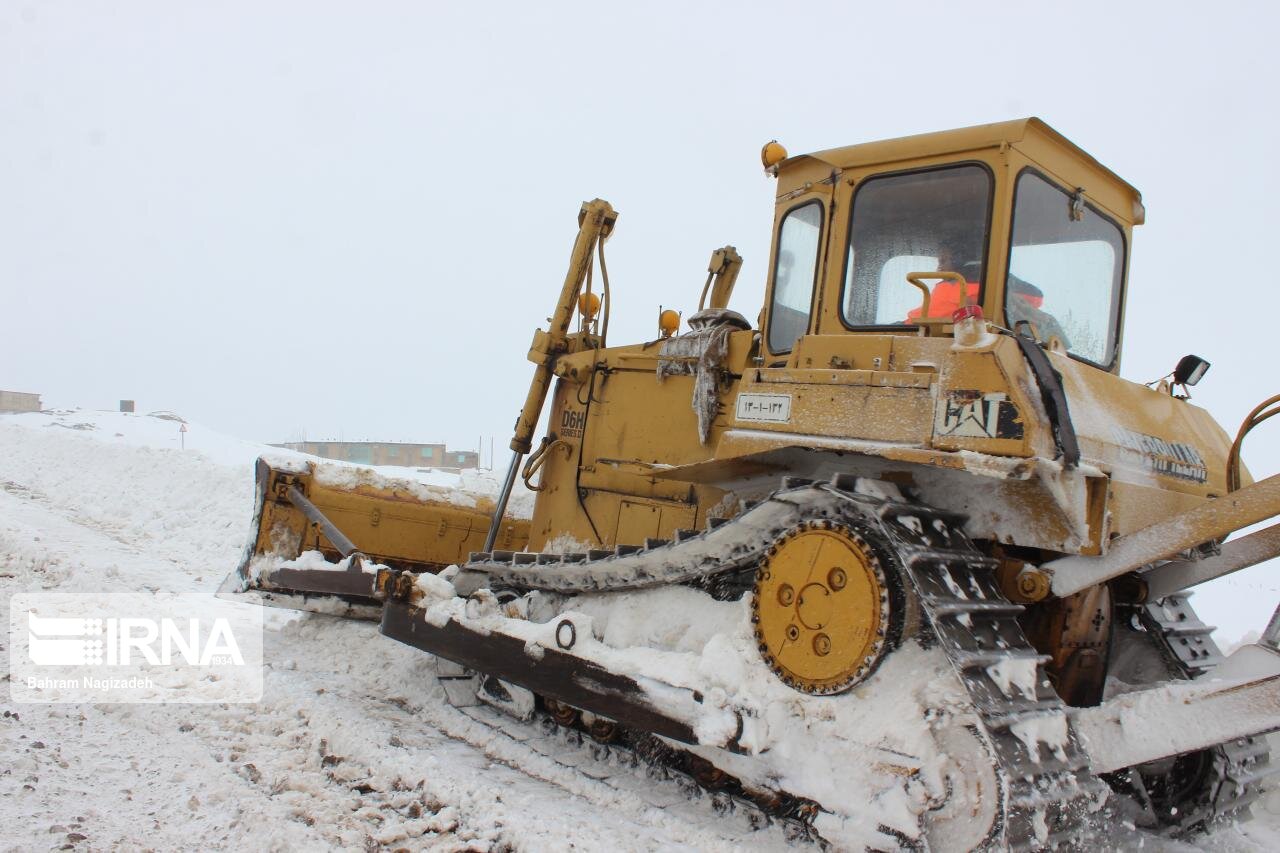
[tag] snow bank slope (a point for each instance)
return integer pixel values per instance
(352, 745)
(110, 476)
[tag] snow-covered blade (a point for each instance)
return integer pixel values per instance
(321, 532)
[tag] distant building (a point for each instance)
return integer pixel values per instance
(18, 401)
(388, 453)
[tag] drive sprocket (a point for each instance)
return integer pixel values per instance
(821, 607)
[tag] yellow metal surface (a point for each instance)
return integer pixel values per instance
(821, 608)
(722, 272)
(1033, 134)
(1032, 585)
(1005, 149)
(1209, 521)
(919, 279)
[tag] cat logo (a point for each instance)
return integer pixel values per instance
(973, 414)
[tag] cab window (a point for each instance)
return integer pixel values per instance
(935, 219)
(1066, 267)
(794, 272)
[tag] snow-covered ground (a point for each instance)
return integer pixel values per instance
(352, 746)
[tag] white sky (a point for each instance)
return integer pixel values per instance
(345, 219)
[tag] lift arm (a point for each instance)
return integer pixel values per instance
(722, 274)
(595, 224)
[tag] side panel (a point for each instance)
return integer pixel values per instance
(876, 406)
(610, 438)
(1164, 455)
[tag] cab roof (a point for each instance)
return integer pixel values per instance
(942, 143)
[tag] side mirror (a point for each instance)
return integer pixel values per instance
(1190, 369)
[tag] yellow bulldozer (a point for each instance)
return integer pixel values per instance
(905, 564)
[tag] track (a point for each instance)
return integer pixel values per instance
(650, 769)
(1223, 790)
(1048, 795)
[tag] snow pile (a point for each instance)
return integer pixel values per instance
(178, 518)
(165, 431)
(471, 489)
(868, 756)
(159, 431)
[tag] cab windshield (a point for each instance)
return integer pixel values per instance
(935, 219)
(1066, 266)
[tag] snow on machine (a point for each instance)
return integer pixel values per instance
(911, 548)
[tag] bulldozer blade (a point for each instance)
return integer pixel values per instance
(361, 525)
(344, 545)
(353, 594)
(644, 704)
(1241, 699)
(338, 592)
(1213, 520)
(241, 579)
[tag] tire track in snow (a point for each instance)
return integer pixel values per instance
(406, 704)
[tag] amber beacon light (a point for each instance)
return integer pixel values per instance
(771, 155)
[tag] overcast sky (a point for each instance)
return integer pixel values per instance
(345, 219)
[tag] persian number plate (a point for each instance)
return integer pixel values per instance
(771, 408)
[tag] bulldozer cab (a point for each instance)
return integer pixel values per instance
(1032, 228)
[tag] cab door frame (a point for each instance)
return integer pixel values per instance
(821, 192)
